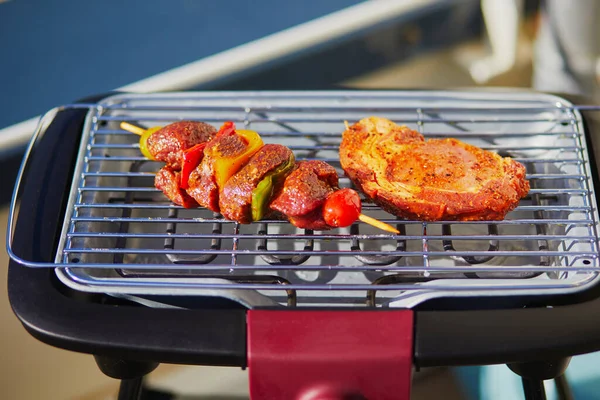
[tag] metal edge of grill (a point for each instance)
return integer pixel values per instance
(413, 292)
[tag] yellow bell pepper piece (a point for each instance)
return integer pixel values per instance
(224, 167)
(144, 141)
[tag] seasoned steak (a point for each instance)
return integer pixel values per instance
(169, 142)
(202, 183)
(429, 180)
(167, 180)
(304, 192)
(235, 200)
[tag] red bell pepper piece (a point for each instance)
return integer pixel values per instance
(191, 159)
(228, 128)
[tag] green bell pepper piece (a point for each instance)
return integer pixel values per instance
(263, 192)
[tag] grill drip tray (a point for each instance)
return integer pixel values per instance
(122, 236)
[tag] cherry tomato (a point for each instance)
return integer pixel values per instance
(342, 208)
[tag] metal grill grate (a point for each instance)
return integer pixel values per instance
(123, 235)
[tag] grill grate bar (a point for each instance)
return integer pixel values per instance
(153, 189)
(262, 110)
(336, 147)
(211, 119)
(470, 134)
(579, 268)
(556, 176)
(340, 237)
(558, 221)
(331, 252)
(552, 208)
(148, 174)
(118, 174)
(326, 159)
(169, 206)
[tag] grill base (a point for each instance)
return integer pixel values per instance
(105, 326)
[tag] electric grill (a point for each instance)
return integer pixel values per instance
(102, 263)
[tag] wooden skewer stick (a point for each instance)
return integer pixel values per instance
(364, 218)
(132, 128)
(378, 224)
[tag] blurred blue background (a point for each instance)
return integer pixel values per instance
(54, 52)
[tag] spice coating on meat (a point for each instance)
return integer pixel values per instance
(306, 188)
(202, 182)
(304, 192)
(235, 201)
(203, 188)
(167, 180)
(168, 143)
(226, 146)
(313, 220)
(430, 180)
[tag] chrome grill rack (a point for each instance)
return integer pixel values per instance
(122, 236)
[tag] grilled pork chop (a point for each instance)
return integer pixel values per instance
(429, 180)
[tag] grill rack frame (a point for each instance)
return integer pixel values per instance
(67, 273)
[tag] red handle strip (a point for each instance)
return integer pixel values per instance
(325, 354)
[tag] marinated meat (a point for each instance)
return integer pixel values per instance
(203, 188)
(313, 220)
(202, 182)
(167, 180)
(168, 143)
(430, 180)
(235, 201)
(304, 192)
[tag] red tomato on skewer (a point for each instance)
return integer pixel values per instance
(342, 208)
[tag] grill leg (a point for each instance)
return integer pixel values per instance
(562, 388)
(134, 389)
(131, 389)
(536, 372)
(131, 374)
(533, 388)
(118, 368)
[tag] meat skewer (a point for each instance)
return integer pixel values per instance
(235, 174)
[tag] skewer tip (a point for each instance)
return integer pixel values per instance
(378, 224)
